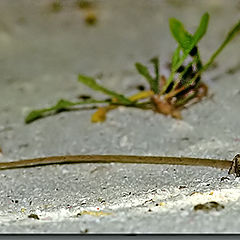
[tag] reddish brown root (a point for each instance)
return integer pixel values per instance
(164, 107)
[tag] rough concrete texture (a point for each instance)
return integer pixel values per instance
(41, 53)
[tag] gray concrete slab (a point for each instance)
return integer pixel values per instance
(42, 52)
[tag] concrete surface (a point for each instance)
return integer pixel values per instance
(41, 53)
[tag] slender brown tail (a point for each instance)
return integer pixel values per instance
(216, 163)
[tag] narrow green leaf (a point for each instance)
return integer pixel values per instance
(143, 70)
(201, 30)
(34, 115)
(196, 37)
(62, 105)
(180, 34)
(90, 82)
(232, 33)
(176, 57)
(177, 27)
(155, 62)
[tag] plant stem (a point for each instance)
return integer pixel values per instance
(229, 37)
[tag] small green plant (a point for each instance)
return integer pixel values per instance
(165, 95)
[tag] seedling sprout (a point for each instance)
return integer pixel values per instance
(166, 95)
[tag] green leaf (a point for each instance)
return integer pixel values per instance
(185, 39)
(143, 70)
(186, 42)
(155, 62)
(62, 105)
(180, 34)
(201, 30)
(176, 57)
(232, 33)
(90, 82)
(34, 115)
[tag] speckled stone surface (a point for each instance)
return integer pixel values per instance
(41, 54)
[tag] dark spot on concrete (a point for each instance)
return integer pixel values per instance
(182, 186)
(209, 206)
(34, 216)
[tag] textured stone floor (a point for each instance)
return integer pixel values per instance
(41, 54)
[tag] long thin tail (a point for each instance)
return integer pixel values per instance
(216, 163)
